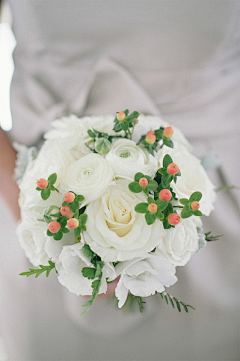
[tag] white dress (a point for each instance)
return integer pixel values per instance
(180, 59)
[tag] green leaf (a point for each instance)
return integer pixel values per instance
(117, 127)
(141, 207)
(152, 185)
(184, 201)
(58, 236)
(174, 301)
(89, 272)
(45, 193)
(197, 213)
(77, 232)
(138, 176)
(126, 112)
(74, 206)
(166, 180)
(210, 237)
(65, 230)
(79, 198)
(91, 133)
(196, 196)
(135, 187)
(162, 204)
(159, 133)
(167, 160)
(52, 178)
(49, 233)
(83, 218)
(124, 126)
(168, 143)
(186, 212)
(159, 215)
(38, 271)
(133, 115)
(150, 218)
(87, 251)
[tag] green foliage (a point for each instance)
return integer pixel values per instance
(187, 210)
(175, 302)
(38, 271)
(158, 144)
(209, 237)
(126, 125)
(46, 192)
(167, 178)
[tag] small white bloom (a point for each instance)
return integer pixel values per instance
(193, 178)
(127, 159)
(89, 176)
(143, 277)
(114, 230)
(180, 242)
(71, 262)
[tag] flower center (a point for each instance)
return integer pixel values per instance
(125, 154)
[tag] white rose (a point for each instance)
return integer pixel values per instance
(71, 262)
(32, 239)
(150, 122)
(114, 230)
(193, 178)
(180, 242)
(72, 131)
(143, 277)
(52, 158)
(127, 159)
(89, 176)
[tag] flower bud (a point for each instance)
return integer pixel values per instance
(174, 219)
(165, 194)
(121, 116)
(54, 227)
(150, 137)
(66, 211)
(69, 197)
(152, 208)
(168, 132)
(143, 182)
(172, 169)
(73, 223)
(42, 183)
(195, 205)
(102, 146)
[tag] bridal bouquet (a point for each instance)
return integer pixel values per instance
(114, 200)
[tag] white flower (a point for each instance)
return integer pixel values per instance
(114, 230)
(180, 242)
(89, 176)
(143, 277)
(126, 159)
(71, 262)
(193, 178)
(54, 248)
(32, 239)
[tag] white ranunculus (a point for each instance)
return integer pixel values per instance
(180, 242)
(69, 266)
(126, 158)
(32, 239)
(52, 158)
(150, 122)
(72, 131)
(114, 230)
(193, 178)
(54, 248)
(89, 176)
(143, 277)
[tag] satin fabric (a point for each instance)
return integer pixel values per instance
(177, 59)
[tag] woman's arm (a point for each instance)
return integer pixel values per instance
(8, 188)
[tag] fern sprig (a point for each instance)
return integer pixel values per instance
(210, 237)
(38, 271)
(174, 301)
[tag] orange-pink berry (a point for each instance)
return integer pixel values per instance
(150, 138)
(172, 168)
(73, 223)
(143, 182)
(54, 227)
(168, 132)
(195, 205)
(66, 211)
(69, 197)
(174, 219)
(165, 194)
(121, 116)
(152, 208)
(42, 183)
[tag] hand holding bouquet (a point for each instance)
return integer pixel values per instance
(116, 199)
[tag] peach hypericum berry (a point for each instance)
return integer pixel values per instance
(73, 223)
(42, 183)
(165, 194)
(195, 205)
(66, 211)
(143, 182)
(54, 227)
(121, 116)
(69, 197)
(168, 132)
(174, 219)
(152, 208)
(150, 137)
(172, 168)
